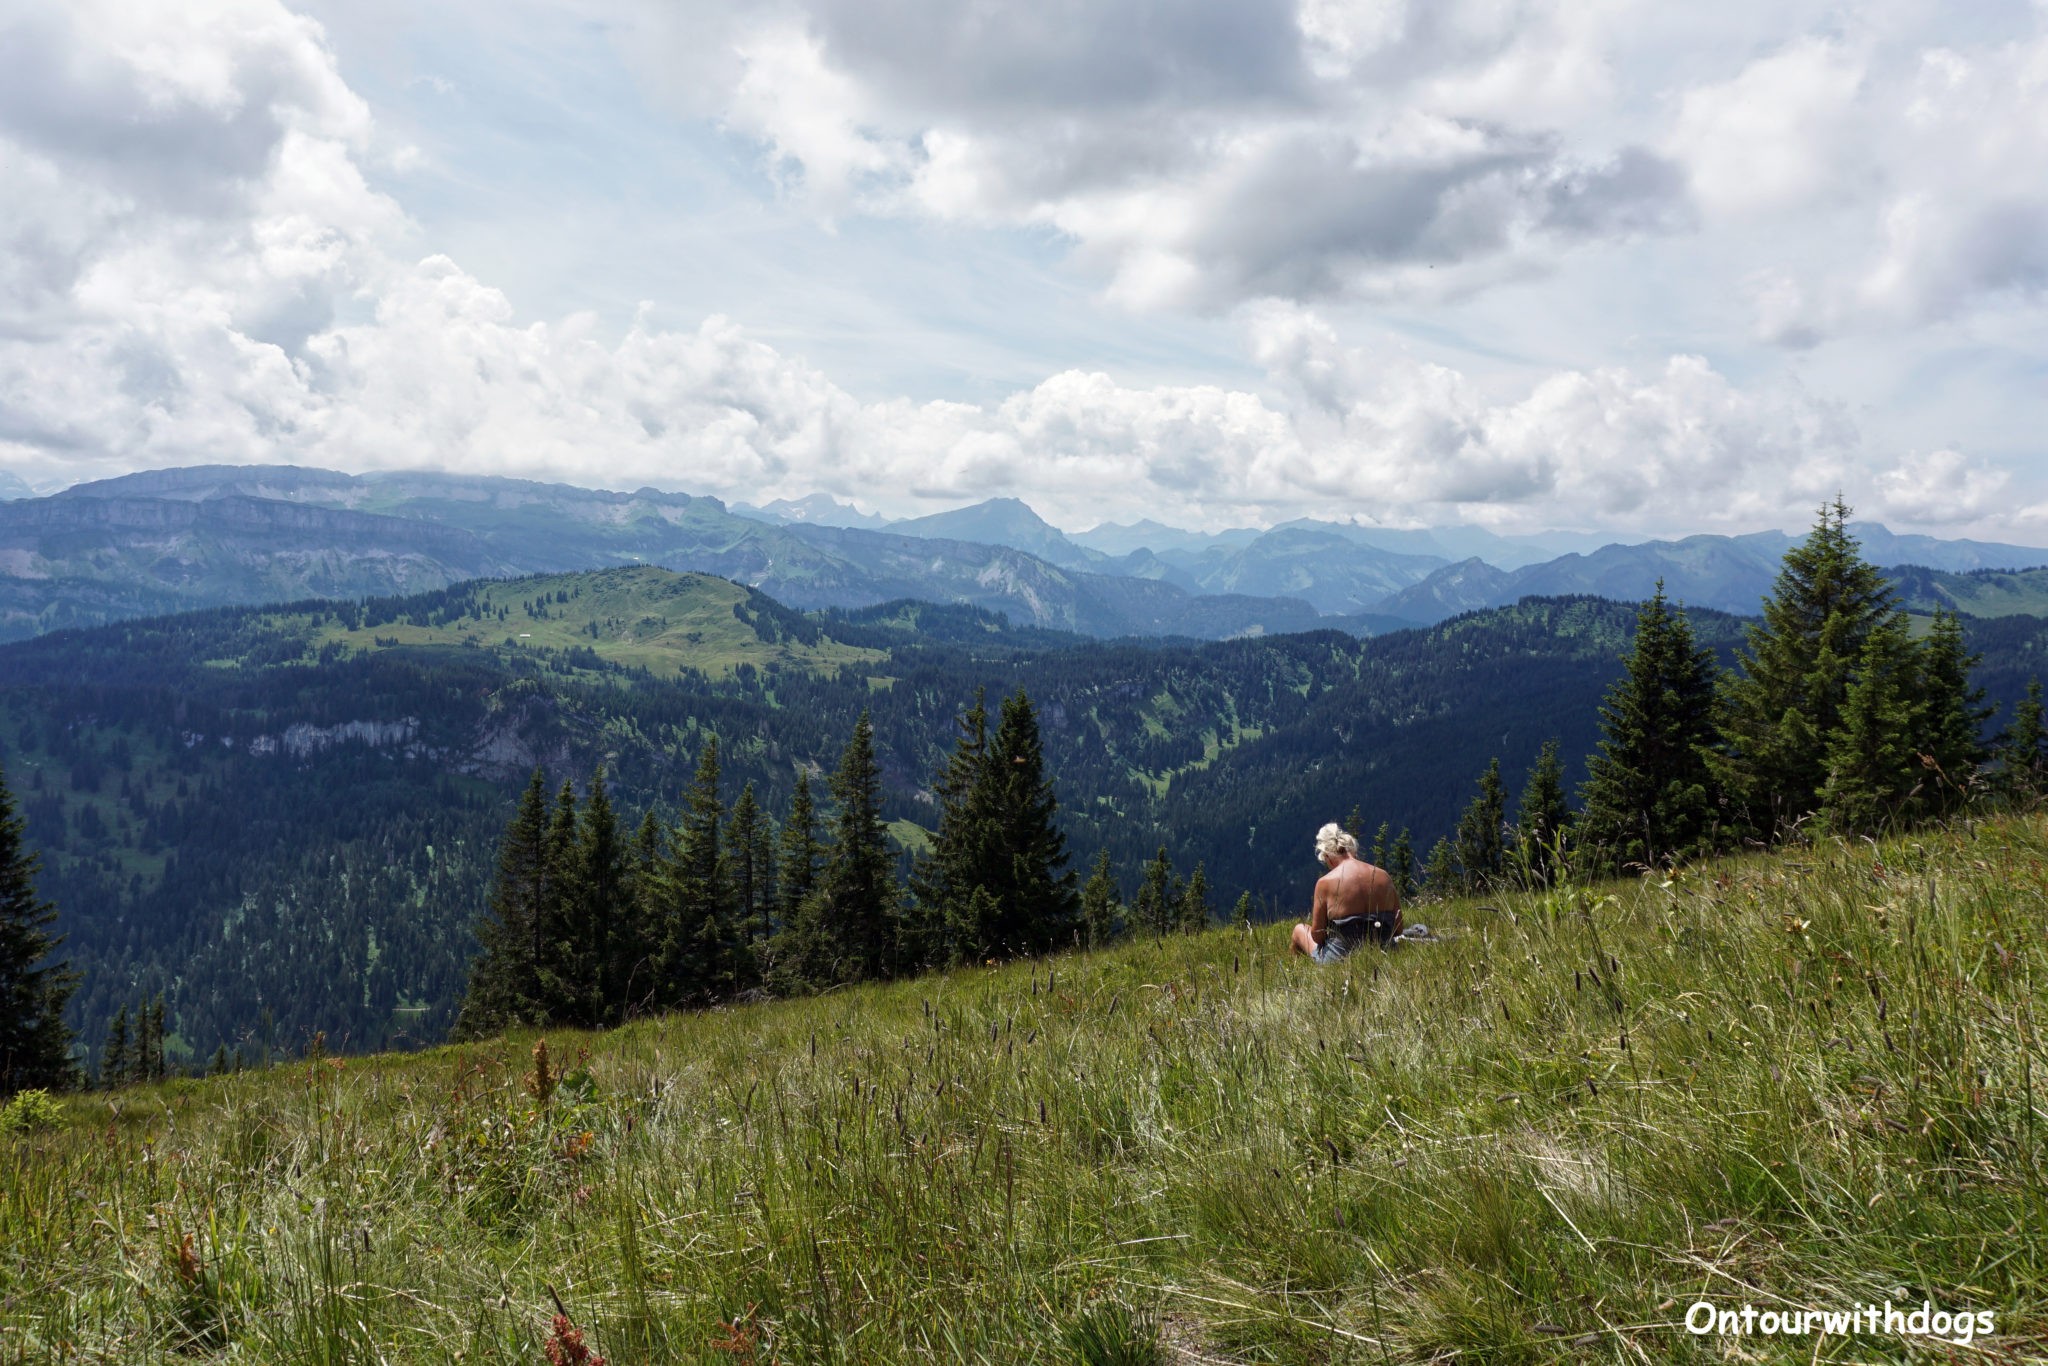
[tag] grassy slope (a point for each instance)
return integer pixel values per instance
(1980, 593)
(1807, 1080)
(644, 617)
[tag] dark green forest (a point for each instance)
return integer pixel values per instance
(284, 821)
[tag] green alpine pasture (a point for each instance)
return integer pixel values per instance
(639, 617)
(1807, 1080)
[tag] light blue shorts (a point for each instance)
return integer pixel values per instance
(1334, 948)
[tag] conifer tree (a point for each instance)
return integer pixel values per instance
(804, 955)
(221, 1065)
(1482, 846)
(1782, 709)
(751, 852)
(1873, 766)
(699, 948)
(1401, 865)
(2023, 749)
(153, 1055)
(142, 1049)
(970, 926)
(1195, 912)
(859, 883)
(35, 1047)
(503, 986)
(562, 976)
(635, 954)
(963, 850)
(1101, 912)
(602, 922)
(1152, 911)
(1543, 816)
(1379, 844)
(1440, 871)
(753, 831)
(1241, 913)
(1953, 714)
(114, 1062)
(801, 849)
(1648, 795)
(1038, 908)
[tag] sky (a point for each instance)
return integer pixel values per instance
(1600, 265)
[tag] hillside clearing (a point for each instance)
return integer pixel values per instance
(1813, 1081)
(639, 618)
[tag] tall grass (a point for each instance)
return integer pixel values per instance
(1804, 1081)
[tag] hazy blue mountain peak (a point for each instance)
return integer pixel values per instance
(814, 509)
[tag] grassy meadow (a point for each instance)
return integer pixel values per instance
(1809, 1080)
(640, 617)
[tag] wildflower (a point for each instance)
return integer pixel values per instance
(540, 1082)
(565, 1345)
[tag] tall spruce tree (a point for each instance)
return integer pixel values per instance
(1401, 865)
(1102, 913)
(153, 1059)
(1543, 818)
(503, 986)
(636, 951)
(750, 847)
(35, 1047)
(1440, 870)
(602, 922)
(1782, 708)
(114, 1061)
(563, 977)
(1158, 898)
(701, 946)
(1873, 766)
(2023, 749)
(1037, 904)
(858, 885)
(1195, 912)
(1482, 842)
(799, 853)
(803, 956)
(1649, 791)
(942, 927)
(1952, 718)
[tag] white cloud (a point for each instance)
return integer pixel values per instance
(1778, 136)
(1881, 169)
(266, 304)
(1405, 138)
(1901, 182)
(1681, 447)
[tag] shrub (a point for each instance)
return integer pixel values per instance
(31, 1112)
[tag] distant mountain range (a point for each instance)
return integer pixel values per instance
(168, 540)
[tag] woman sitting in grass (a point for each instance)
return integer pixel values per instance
(1355, 901)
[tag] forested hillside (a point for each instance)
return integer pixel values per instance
(284, 819)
